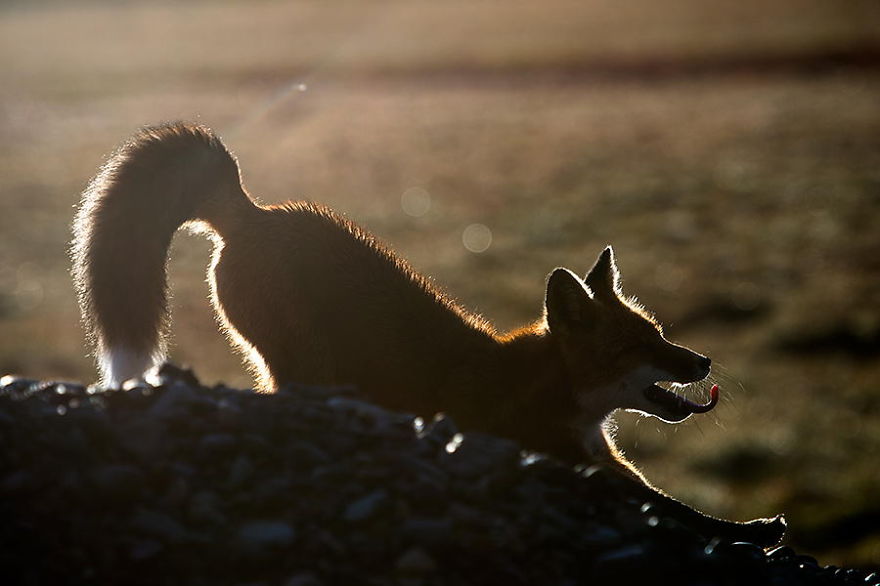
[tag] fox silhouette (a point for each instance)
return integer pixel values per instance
(306, 295)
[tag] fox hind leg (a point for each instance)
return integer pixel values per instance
(121, 364)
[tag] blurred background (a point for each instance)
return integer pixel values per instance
(729, 151)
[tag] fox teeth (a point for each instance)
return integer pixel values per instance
(676, 388)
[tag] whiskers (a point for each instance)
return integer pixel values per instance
(727, 382)
(728, 386)
(699, 391)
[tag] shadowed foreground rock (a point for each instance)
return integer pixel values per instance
(182, 484)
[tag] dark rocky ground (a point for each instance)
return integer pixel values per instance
(182, 484)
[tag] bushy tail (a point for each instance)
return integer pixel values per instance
(161, 178)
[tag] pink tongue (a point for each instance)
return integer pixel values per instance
(713, 400)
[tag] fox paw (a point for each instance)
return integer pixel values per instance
(762, 532)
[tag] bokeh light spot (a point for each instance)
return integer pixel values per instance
(477, 238)
(416, 201)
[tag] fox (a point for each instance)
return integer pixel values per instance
(307, 296)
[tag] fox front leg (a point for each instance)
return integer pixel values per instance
(761, 532)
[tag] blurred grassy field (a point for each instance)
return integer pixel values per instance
(730, 153)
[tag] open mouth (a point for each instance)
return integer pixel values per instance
(673, 407)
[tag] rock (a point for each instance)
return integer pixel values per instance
(303, 579)
(203, 484)
(596, 535)
(217, 443)
(144, 549)
(358, 408)
(427, 531)
(20, 481)
(782, 552)
(172, 401)
(158, 525)
(477, 454)
(119, 481)
(415, 561)
(241, 470)
(259, 536)
(12, 384)
(366, 506)
(623, 554)
(169, 373)
(441, 430)
(205, 507)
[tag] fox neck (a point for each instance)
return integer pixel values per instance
(536, 403)
(530, 366)
(529, 396)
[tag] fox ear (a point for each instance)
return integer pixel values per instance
(567, 303)
(604, 278)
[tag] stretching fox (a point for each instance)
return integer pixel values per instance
(308, 296)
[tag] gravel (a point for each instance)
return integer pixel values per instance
(182, 484)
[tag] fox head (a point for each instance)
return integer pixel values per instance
(614, 351)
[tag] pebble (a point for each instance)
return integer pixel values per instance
(358, 408)
(240, 472)
(11, 384)
(415, 561)
(158, 525)
(366, 506)
(145, 549)
(622, 554)
(206, 507)
(261, 535)
(440, 431)
(427, 531)
(218, 443)
(170, 401)
(782, 552)
(303, 579)
(480, 455)
(118, 481)
(19, 481)
(594, 534)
